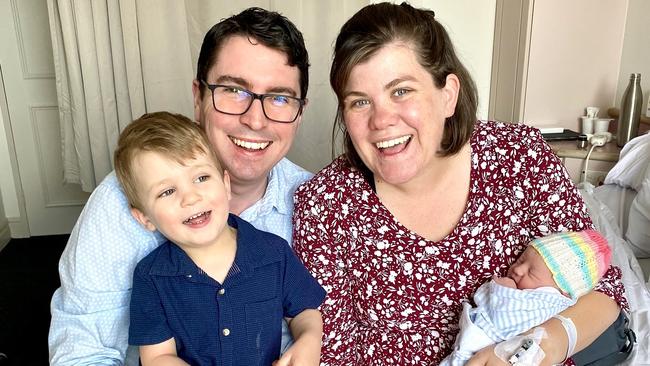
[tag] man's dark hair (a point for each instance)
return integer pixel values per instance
(259, 25)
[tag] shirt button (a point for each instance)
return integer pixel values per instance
(222, 291)
(226, 332)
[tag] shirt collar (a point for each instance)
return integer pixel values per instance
(273, 196)
(252, 252)
(171, 260)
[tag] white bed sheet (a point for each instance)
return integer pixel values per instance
(637, 288)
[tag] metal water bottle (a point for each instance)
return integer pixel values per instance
(628, 121)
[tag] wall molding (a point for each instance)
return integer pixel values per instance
(512, 32)
(27, 73)
(18, 227)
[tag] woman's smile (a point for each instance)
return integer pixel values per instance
(403, 140)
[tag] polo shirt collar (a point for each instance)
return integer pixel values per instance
(252, 252)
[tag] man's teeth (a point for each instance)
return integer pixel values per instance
(250, 145)
(393, 142)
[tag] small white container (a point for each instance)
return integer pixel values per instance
(587, 125)
(602, 125)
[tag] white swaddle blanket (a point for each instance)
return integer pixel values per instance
(500, 314)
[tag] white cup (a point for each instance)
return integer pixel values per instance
(587, 125)
(602, 125)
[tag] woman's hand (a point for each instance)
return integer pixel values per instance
(504, 281)
(486, 357)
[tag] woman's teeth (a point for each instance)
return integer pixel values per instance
(390, 143)
(250, 145)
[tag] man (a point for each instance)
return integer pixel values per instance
(250, 65)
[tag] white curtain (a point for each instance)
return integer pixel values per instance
(117, 59)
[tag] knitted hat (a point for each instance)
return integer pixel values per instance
(577, 260)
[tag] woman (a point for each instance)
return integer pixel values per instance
(426, 204)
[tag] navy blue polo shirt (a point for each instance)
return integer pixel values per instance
(238, 322)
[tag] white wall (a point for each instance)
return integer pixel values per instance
(470, 25)
(575, 56)
(636, 49)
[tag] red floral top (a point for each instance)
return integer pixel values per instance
(394, 297)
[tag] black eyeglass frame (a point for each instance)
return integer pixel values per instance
(254, 96)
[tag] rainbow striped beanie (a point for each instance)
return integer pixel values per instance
(577, 260)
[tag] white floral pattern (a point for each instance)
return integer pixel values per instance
(395, 297)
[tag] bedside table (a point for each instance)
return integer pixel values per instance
(569, 149)
(573, 159)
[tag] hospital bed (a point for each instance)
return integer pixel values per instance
(620, 209)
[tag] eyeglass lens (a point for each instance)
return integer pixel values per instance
(276, 107)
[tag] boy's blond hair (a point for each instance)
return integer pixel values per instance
(172, 135)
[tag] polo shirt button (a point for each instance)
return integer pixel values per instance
(222, 291)
(226, 332)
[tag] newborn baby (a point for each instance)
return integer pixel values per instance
(548, 277)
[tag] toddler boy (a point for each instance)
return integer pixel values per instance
(216, 291)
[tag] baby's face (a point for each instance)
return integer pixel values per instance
(530, 271)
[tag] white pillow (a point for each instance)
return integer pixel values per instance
(638, 224)
(632, 167)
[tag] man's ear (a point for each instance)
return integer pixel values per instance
(196, 92)
(142, 219)
(226, 183)
(302, 112)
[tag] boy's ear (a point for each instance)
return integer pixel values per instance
(226, 183)
(142, 219)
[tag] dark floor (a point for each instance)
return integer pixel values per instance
(28, 277)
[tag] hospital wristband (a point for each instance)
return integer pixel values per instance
(571, 332)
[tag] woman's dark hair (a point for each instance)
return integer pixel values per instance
(377, 25)
(266, 27)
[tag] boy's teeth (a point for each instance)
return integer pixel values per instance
(393, 142)
(250, 145)
(194, 217)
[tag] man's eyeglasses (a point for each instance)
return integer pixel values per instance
(235, 100)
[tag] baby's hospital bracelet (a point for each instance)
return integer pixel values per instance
(571, 332)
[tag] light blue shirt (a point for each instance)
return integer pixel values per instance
(90, 311)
